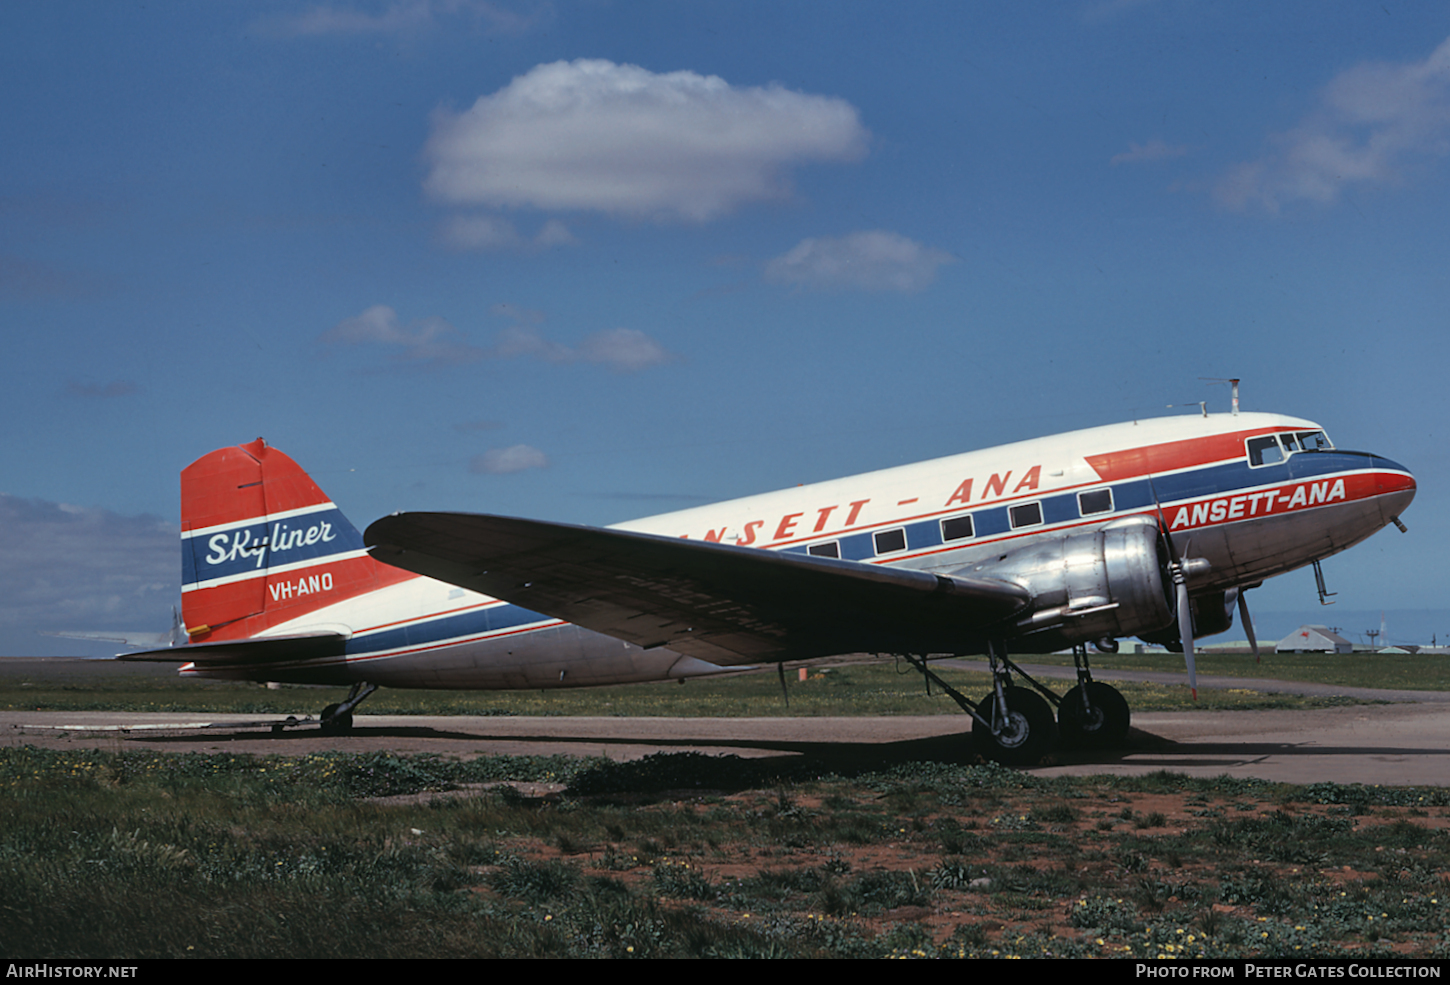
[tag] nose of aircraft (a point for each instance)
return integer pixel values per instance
(1394, 486)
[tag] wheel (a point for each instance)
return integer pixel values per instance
(1025, 738)
(335, 724)
(1102, 726)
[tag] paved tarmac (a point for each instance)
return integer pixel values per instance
(1405, 741)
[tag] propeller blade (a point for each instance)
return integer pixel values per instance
(1248, 623)
(1185, 629)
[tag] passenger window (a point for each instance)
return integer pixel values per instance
(891, 540)
(957, 528)
(831, 548)
(1095, 501)
(1264, 451)
(1026, 515)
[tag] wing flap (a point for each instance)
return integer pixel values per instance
(718, 602)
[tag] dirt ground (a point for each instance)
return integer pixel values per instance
(1399, 744)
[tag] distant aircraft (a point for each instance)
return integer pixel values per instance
(1154, 528)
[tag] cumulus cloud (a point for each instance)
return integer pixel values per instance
(435, 342)
(427, 340)
(618, 139)
(1153, 150)
(66, 567)
(876, 260)
(623, 350)
(502, 461)
(401, 17)
(1371, 123)
(494, 233)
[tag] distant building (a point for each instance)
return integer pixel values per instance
(1314, 639)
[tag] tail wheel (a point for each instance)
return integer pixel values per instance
(1102, 725)
(335, 724)
(1026, 736)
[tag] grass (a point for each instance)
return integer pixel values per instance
(882, 688)
(1411, 672)
(147, 855)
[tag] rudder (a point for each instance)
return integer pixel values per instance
(261, 544)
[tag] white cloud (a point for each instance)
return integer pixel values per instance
(66, 567)
(488, 232)
(1371, 123)
(518, 340)
(435, 342)
(425, 340)
(619, 139)
(876, 260)
(400, 17)
(624, 350)
(502, 461)
(1153, 150)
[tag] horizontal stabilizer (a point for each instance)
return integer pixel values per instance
(252, 652)
(718, 602)
(121, 636)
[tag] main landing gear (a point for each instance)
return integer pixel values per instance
(337, 719)
(1014, 725)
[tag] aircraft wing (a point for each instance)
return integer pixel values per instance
(718, 602)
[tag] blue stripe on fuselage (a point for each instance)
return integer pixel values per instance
(1129, 496)
(474, 622)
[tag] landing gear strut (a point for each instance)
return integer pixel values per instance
(1091, 715)
(1014, 725)
(337, 719)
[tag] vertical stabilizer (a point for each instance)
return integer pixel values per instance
(261, 544)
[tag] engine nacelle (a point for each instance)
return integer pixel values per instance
(1109, 582)
(1212, 614)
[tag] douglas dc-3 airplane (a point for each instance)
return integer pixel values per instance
(1153, 529)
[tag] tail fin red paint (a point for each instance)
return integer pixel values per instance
(261, 545)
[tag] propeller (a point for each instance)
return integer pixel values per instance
(1185, 621)
(1180, 568)
(1248, 623)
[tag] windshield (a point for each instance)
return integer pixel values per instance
(1271, 449)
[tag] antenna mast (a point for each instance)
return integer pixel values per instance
(1233, 384)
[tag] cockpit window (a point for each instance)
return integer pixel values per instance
(1264, 450)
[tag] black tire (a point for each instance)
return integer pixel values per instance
(335, 724)
(1103, 727)
(1030, 735)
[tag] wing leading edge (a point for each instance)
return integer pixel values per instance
(717, 602)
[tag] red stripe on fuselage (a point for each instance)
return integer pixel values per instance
(1170, 456)
(1273, 500)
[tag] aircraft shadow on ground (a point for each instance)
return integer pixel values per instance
(1143, 750)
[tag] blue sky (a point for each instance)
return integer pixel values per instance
(587, 260)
